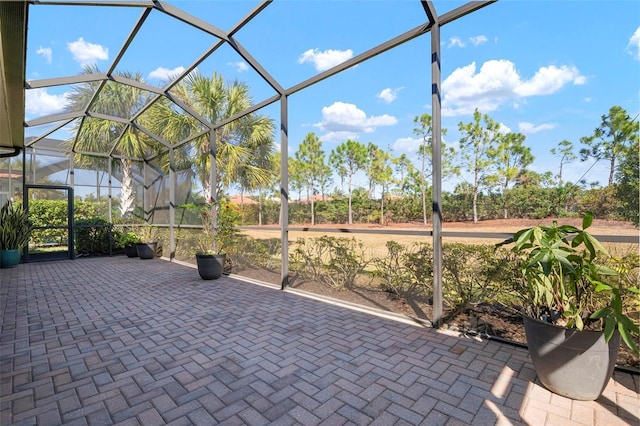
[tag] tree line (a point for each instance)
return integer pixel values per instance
(494, 164)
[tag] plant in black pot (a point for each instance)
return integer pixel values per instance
(575, 310)
(127, 241)
(15, 231)
(219, 221)
(147, 246)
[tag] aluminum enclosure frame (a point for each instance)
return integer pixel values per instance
(432, 25)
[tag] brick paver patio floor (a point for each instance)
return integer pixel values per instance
(130, 341)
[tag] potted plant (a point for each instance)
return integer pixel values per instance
(15, 231)
(128, 241)
(219, 220)
(147, 246)
(574, 312)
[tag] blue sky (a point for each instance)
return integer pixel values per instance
(547, 69)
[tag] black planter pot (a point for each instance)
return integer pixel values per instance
(210, 266)
(131, 250)
(572, 363)
(147, 250)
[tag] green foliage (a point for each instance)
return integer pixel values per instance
(616, 132)
(602, 202)
(219, 224)
(125, 239)
(252, 252)
(566, 279)
(405, 271)
(15, 228)
(628, 183)
(93, 236)
(471, 274)
(337, 262)
(347, 159)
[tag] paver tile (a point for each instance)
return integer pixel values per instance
(138, 343)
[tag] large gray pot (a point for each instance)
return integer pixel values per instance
(572, 363)
(210, 266)
(147, 250)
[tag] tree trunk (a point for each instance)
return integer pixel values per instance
(350, 213)
(423, 190)
(504, 201)
(260, 209)
(313, 209)
(127, 194)
(382, 207)
(613, 168)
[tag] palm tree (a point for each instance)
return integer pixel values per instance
(101, 135)
(244, 146)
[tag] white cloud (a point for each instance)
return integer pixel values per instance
(503, 128)
(240, 66)
(548, 80)
(498, 82)
(478, 40)
(388, 95)
(38, 102)
(165, 74)
(86, 53)
(324, 60)
(338, 136)
(455, 41)
(46, 53)
(633, 47)
(406, 145)
(344, 117)
(529, 128)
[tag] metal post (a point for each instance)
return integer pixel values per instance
(436, 144)
(172, 203)
(284, 189)
(72, 166)
(109, 202)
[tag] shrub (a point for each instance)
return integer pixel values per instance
(337, 262)
(93, 236)
(404, 271)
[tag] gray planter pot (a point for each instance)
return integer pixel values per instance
(210, 266)
(147, 250)
(572, 363)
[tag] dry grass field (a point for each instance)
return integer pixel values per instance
(375, 242)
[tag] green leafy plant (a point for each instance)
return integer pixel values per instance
(336, 262)
(128, 238)
(568, 283)
(219, 223)
(15, 228)
(405, 271)
(92, 236)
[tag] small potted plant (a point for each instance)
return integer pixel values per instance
(219, 220)
(128, 241)
(15, 231)
(574, 313)
(147, 246)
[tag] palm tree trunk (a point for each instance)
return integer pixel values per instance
(127, 194)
